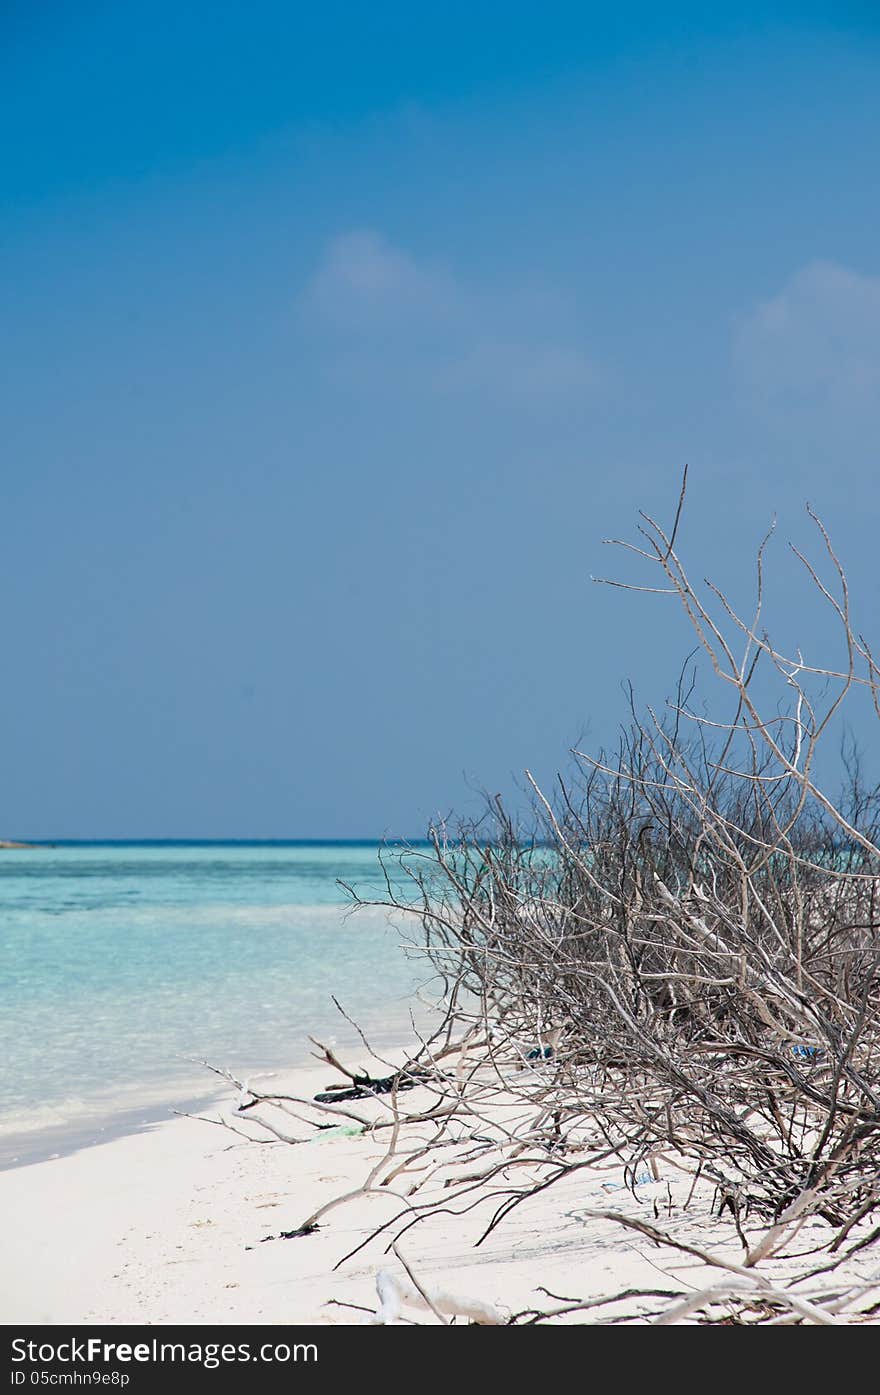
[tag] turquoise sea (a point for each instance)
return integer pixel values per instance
(122, 965)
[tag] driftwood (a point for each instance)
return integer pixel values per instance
(395, 1293)
(365, 1086)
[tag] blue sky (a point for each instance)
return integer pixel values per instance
(335, 342)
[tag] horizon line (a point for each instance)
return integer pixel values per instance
(51, 841)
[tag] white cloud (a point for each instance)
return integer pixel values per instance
(812, 352)
(376, 312)
(364, 281)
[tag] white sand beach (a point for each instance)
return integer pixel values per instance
(168, 1225)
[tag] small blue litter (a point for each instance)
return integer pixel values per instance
(640, 1181)
(538, 1054)
(810, 1053)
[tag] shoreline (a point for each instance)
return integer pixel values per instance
(186, 1221)
(105, 1119)
(26, 1147)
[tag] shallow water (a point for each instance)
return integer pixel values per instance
(124, 965)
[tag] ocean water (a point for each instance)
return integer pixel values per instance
(124, 965)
